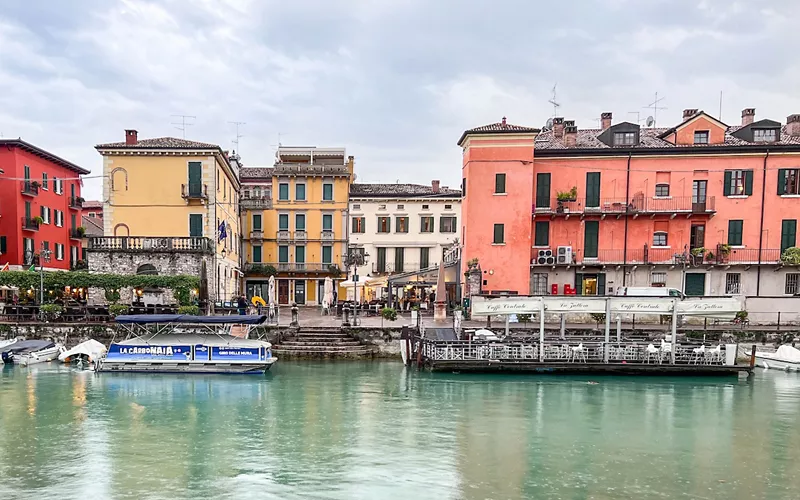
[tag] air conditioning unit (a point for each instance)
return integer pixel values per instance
(545, 257)
(550, 260)
(564, 255)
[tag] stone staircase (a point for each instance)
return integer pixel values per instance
(322, 343)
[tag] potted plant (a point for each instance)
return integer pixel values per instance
(723, 251)
(80, 199)
(35, 184)
(81, 231)
(791, 256)
(472, 263)
(564, 197)
(38, 219)
(698, 251)
(710, 257)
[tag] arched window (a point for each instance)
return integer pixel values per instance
(122, 230)
(149, 269)
(119, 179)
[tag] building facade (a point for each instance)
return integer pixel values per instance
(169, 200)
(295, 222)
(703, 207)
(402, 227)
(40, 208)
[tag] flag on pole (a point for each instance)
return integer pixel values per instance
(223, 233)
(4, 268)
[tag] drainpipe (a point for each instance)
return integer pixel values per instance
(761, 225)
(625, 236)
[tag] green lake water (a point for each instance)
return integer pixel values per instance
(376, 430)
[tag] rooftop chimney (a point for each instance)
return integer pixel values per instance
(793, 125)
(131, 137)
(688, 113)
(748, 115)
(605, 120)
(558, 127)
(503, 123)
(570, 134)
(435, 186)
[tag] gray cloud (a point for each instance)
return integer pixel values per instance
(396, 82)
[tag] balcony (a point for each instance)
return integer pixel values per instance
(30, 223)
(256, 203)
(266, 268)
(723, 255)
(257, 235)
(634, 256)
(300, 236)
(326, 235)
(75, 202)
(284, 236)
(154, 245)
(30, 188)
(194, 191)
(77, 233)
(638, 205)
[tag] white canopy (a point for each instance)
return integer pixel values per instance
(788, 353)
(91, 348)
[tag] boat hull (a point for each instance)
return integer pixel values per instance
(37, 357)
(777, 364)
(255, 368)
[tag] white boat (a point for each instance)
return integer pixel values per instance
(785, 357)
(89, 352)
(188, 344)
(4, 344)
(41, 356)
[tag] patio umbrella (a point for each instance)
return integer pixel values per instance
(271, 290)
(328, 292)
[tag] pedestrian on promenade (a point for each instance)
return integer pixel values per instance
(241, 303)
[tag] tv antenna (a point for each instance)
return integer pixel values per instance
(238, 135)
(655, 107)
(650, 121)
(553, 100)
(182, 123)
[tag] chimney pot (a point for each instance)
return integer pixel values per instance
(435, 186)
(605, 120)
(570, 134)
(504, 122)
(131, 137)
(688, 113)
(748, 115)
(558, 127)
(793, 125)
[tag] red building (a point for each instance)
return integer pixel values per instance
(40, 207)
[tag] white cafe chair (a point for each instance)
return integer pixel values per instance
(714, 355)
(578, 352)
(699, 353)
(665, 351)
(651, 351)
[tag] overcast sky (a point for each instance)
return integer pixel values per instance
(393, 81)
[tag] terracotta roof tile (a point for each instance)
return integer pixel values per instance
(501, 127)
(384, 190)
(256, 172)
(93, 226)
(159, 143)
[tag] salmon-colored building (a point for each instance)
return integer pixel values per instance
(702, 207)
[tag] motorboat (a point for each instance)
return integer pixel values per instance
(4, 344)
(84, 353)
(785, 357)
(13, 352)
(33, 357)
(170, 343)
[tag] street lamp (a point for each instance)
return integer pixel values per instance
(44, 256)
(355, 257)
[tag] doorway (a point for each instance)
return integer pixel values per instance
(283, 292)
(697, 237)
(699, 196)
(590, 283)
(299, 292)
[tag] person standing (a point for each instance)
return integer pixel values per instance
(241, 303)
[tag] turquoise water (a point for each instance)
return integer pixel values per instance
(374, 430)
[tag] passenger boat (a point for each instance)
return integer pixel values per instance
(785, 357)
(168, 343)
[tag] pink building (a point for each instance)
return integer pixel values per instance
(702, 207)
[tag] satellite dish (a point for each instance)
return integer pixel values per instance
(650, 121)
(549, 124)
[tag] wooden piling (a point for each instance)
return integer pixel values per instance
(753, 357)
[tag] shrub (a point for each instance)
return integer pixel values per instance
(791, 256)
(112, 295)
(570, 195)
(190, 310)
(51, 311)
(389, 313)
(741, 315)
(116, 309)
(81, 231)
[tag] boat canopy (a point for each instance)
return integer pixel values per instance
(91, 348)
(144, 319)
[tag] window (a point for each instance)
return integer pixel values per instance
(59, 218)
(765, 134)
(300, 254)
(624, 138)
(426, 224)
(327, 253)
(384, 224)
(300, 222)
(224, 183)
(58, 186)
(3, 245)
(792, 282)
(542, 234)
(447, 224)
(401, 224)
(660, 239)
(399, 254)
(448, 207)
(738, 183)
(658, 279)
(733, 283)
(358, 225)
(539, 284)
(283, 222)
(195, 225)
(75, 224)
(356, 207)
(499, 183)
(788, 234)
(662, 189)
(499, 237)
(425, 207)
(381, 264)
(701, 137)
(283, 191)
(542, 190)
(424, 257)
(46, 246)
(401, 207)
(256, 222)
(283, 254)
(300, 192)
(44, 180)
(789, 181)
(257, 253)
(327, 222)
(45, 213)
(92, 215)
(59, 251)
(735, 232)
(327, 192)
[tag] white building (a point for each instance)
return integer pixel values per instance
(402, 227)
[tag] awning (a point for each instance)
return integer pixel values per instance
(144, 319)
(377, 282)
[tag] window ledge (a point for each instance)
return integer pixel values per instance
(498, 244)
(659, 246)
(542, 247)
(738, 196)
(790, 196)
(662, 197)
(737, 246)
(500, 194)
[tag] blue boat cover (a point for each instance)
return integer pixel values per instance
(144, 319)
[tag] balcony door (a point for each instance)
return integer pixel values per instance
(697, 237)
(591, 232)
(699, 196)
(593, 189)
(542, 190)
(195, 179)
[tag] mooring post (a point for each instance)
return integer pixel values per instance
(674, 330)
(563, 327)
(753, 357)
(507, 320)
(619, 328)
(541, 331)
(608, 331)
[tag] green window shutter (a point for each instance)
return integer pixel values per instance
(424, 257)
(300, 255)
(41, 211)
(398, 259)
(283, 254)
(748, 182)
(542, 234)
(578, 283)
(257, 253)
(327, 192)
(256, 222)
(591, 231)
(195, 225)
(542, 190)
(326, 254)
(195, 178)
(601, 284)
(782, 180)
(283, 191)
(300, 222)
(788, 234)
(726, 183)
(499, 183)
(327, 222)
(283, 222)
(381, 259)
(735, 232)
(498, 234)
(593, 189)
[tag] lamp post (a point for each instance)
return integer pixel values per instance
(355, 257)
(44, 256)
(224, 285)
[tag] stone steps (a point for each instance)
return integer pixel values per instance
(338, 343)
(322, 343)
(330, 348)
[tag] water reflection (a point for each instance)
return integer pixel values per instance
(380, 431)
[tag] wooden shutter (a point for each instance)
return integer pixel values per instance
(590, 233)
(542, 234)
(257, 253)
(543, 190)
(498, 234)
(398, 259)
(601, 284)
(3, 243)
(748, 182)
(593, 189)
(578, 283)
(735, 232)
(381, 259)
(499, 183)
(782, 180)
(726, 183)
(788, 234)
(424, 257)
(196, 225)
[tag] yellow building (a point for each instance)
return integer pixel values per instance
(172, 199)
(294, 220)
